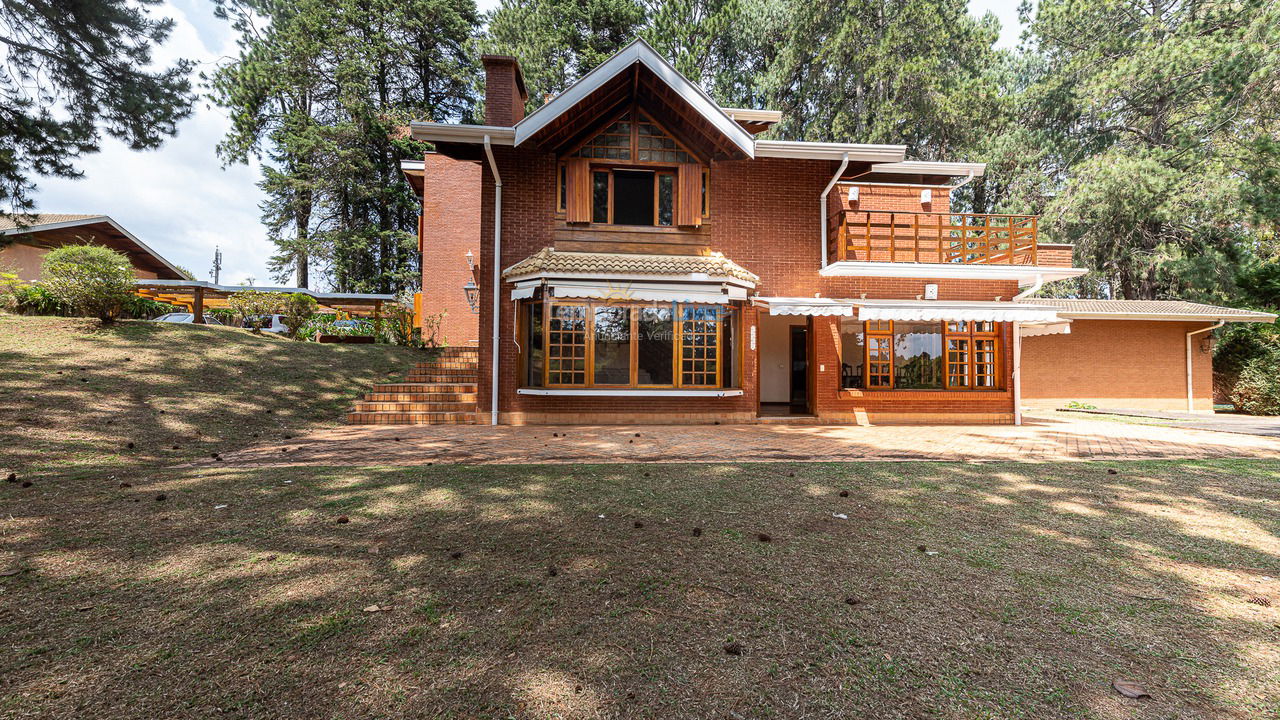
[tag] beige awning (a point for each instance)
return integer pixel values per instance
(955, 311)
(816, 306)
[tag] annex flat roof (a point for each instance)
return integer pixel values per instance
(184, 291)
(1170, 310)
(57, 229)
(919, 167)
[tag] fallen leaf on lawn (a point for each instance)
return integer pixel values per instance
(841, 516)
(1130, 689)
(83, 608)
(10, 572)
(372, 608)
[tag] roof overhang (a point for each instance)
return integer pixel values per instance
(1025, 275)
(449, 133)
(857, 152)
(815, 306)
(414, 172)
(96, 220)
(1170, 317)
(917, 167)
(638, 52)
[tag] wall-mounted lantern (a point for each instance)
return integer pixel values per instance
(473, 295)
(471, 261)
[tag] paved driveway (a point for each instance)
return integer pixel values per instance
(1060, 436)
(1247, 424)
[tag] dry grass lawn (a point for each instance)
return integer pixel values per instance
(134, 584)
(583, 592)
(73, 395)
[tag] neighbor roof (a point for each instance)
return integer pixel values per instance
(1149, 310)
(548, 262)
(27, 222)
(57, 229)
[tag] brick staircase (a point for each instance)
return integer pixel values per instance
(441, 391)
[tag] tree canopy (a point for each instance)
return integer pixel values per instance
(72, 70)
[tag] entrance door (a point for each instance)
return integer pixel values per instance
(799, 369)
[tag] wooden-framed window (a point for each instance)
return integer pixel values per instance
(634, 172)
(627, 345)
(882, 355)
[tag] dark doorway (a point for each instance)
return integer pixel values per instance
(799, 369)
(632, 197)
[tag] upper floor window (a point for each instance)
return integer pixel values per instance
(633, 173)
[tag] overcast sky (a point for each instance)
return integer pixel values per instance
(182, 202)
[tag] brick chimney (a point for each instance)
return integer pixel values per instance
(504, 92)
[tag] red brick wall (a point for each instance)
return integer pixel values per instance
(503, 98)
(764, 216)
(1117, 364)
(450, 227)
(1056, 255)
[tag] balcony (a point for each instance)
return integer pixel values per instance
(946, 238)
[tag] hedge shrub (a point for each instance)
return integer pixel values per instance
(88, 280)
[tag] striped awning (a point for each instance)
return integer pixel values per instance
(955, 311)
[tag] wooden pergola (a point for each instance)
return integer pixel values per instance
(197, 296)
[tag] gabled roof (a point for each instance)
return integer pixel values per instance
(637, 53)
(56, 229)
(1149, 310)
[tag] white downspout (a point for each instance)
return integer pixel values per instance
(1017, 350)
(822, 204)
(497, 278)
(1190, 387)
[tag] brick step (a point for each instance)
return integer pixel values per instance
(410, 418)
(439, 366)
(420, 397)
(366, 406)
(458, 355)
(451, 378)
(425, 387)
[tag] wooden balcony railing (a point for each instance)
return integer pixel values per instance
(869, 236)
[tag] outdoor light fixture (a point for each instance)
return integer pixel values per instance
(473, 295)
(471, 261)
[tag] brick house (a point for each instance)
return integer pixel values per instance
(643, 257)
(24, 241)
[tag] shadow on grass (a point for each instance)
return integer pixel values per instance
(73, 396)
(1048, 582)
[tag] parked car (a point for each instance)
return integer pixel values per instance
(185, 318)
(275, 325)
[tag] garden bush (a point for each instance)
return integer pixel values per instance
(298, 309)
(255, 306)
(1257, 389)
(89, 280)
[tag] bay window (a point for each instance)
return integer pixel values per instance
(901, 355)
(628, 345)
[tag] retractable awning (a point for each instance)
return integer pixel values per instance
(1058, 328)
(806, 306)
(956, 311)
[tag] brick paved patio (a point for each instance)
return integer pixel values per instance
(1047, 438)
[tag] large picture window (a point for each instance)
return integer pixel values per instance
(882, 355)
(606, 344)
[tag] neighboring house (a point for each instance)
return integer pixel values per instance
(645, 258)
(25, 239)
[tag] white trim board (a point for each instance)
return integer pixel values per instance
(1024, 274)
(628, 392)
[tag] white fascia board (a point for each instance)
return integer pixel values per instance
(637, 52)
(916, 167)
(1024, 274)
(607, 277)
(413, 165)
(448, 132)
(628, 392)
(857, 152)
(1183, 317)
(754, 116)
(91, 221)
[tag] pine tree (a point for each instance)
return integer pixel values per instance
(73, 70)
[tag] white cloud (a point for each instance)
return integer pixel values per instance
(178, 199)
